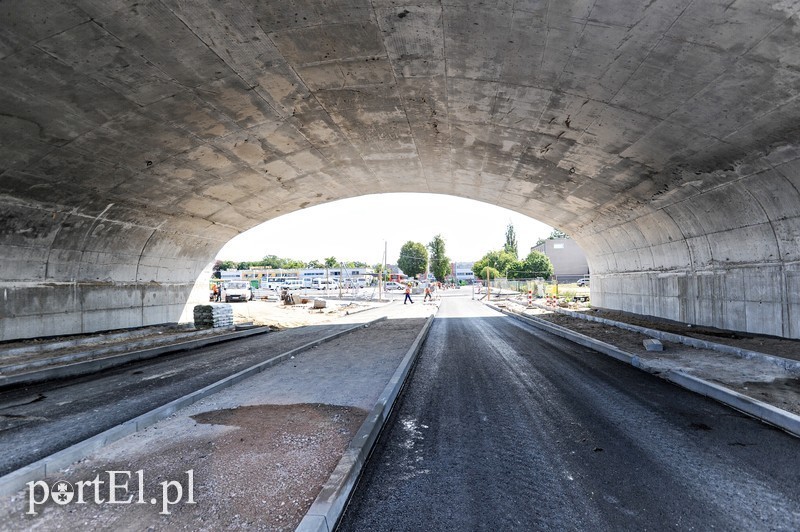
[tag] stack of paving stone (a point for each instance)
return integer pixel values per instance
(206, 316)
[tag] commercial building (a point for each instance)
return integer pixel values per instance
(569, 260)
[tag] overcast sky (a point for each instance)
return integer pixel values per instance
(356, 229)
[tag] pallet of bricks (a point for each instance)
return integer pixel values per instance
(208, 316)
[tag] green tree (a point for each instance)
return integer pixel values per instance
(315, 264)
(294, 264)
(511, 241)
(554, 234)
(440, 262)
(243, 266)
(225, 265)
(272, 261)
(488, 271)
(413, 259)
(330, 262)
(499, 260)
(381, 274)
(536, 264)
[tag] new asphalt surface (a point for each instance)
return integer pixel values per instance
(506, 427)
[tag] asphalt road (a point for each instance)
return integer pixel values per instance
(505, 427)
(38, 420)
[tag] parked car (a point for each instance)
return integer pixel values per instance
(583, 282)
(392, 285)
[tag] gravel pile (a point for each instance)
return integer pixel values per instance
(206, 316)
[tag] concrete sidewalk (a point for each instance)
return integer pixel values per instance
(259, 451)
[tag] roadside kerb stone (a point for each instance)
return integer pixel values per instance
(792, 366)
(49, 465)
(98, 364)
(752, 407)
(651, 344)
(327, 509)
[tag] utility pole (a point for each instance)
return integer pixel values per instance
(383, 272)
(341, 278)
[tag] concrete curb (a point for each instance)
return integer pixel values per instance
(98, 364)
(752, 407)
(39, 470)
(327, 509)
(792, 366)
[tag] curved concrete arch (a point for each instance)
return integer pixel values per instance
(140, 136)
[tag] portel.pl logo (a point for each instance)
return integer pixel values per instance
(62, 492)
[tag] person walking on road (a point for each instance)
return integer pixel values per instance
(408, 295)
(427, 294)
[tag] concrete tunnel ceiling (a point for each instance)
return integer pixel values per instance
(139, 136)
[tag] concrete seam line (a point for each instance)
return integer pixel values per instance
(329, 505)
(762, 411)
(98, 364)
(16, 480)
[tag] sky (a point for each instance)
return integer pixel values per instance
(356, 229)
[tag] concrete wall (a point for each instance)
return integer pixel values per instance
(84, 271)
(725, 253)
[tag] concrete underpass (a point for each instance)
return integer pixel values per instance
(139, 137)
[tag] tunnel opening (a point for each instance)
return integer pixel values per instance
(668, 152)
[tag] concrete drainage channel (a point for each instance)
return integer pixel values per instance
(50, 465)
(752, 407)
(327, 509)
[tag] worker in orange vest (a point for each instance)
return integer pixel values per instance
(408, 295)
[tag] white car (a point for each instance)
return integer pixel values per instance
(392, 285)
(583, 282)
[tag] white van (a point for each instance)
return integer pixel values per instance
(292, 284)
(236, 291)
(323, 284)
(273, 283)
